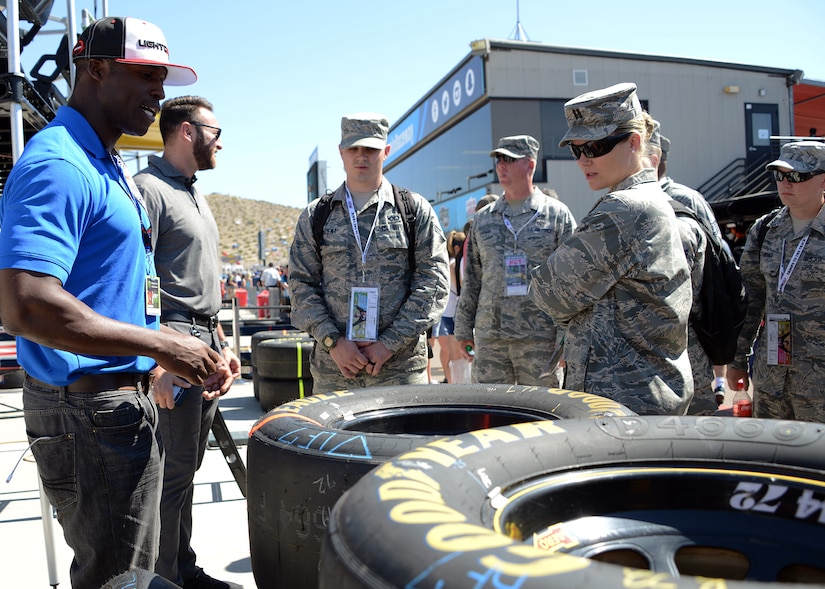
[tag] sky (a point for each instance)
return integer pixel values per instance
(281, 74)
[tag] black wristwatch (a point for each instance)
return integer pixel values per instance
(224, 344)
(329, 341)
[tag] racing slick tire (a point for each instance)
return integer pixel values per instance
(304, 455)
(273, 392)
(655, 501)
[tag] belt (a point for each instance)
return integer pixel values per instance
(96, 383)
(210, 322)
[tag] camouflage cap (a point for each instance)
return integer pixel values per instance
(596, 115)
(517, 146)
(659, 140)
(367, 129)
(801, 156)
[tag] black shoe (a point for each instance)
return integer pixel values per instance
(204, 581)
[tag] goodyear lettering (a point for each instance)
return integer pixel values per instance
(429, 454)
(421, 503)
(298, 404)
(530, 566)
(399, 490)
(464, 537)
(488, 436)
(454, 447)
(595, 402)
(425, 512)
(446, 452)
(389, 471)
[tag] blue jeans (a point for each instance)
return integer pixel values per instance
(100, 461)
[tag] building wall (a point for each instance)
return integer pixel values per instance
(705, 124)
(526, 89)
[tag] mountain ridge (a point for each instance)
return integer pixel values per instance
(241, 219)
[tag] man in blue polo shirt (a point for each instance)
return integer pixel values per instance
(79, 289)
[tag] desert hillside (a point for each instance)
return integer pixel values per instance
(239, 221)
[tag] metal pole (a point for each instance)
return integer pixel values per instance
(71, 31)
(16, 109)
(17, 141)
(48, 533)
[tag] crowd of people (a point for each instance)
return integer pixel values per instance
(124, 374)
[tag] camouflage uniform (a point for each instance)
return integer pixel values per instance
(796, 391)
(512, 337)
(703, 400)
(621, 287)
(694, 243)
(409, 303)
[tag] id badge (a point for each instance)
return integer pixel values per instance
(778, 331)
(153, 296)
(515, 275)
(363, 313)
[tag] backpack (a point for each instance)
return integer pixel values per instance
(402, 201)
(724, 301)
(763, 229)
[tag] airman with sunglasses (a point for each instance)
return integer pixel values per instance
(510, 336)
(620, 285)
(786, 287)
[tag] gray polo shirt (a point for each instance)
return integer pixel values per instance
(184, 239)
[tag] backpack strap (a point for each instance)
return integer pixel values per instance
(403, 202)
(320, 214)
(763, 229)
(406, 206)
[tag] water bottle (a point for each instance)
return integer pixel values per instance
(742, 404)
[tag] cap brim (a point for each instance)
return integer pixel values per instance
(790, 165)
(372, 142)
(586, 133)
(176, 75)
(508, 153)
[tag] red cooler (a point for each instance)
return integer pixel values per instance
(263, 301)
(241, 295)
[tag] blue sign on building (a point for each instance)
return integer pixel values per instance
(451, 98)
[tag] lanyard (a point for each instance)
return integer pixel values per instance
(515, 233)
(785, 273)
(135, 196)
(353, 219)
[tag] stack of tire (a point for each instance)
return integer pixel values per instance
(280, 366)
(305, 454)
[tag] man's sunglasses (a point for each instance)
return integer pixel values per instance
(597, 148)
(215, 130)
(505, 158)
(795, 177)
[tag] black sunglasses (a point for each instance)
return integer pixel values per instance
(506, 159)
(597, 148)
(795, 177)
(216, 130)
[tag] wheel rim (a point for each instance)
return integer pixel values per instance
(704, 520)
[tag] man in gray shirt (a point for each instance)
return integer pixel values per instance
(185, 239)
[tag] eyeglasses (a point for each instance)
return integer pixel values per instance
(597, 148)
(215, 130)
(506, 159)
(795, 177)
